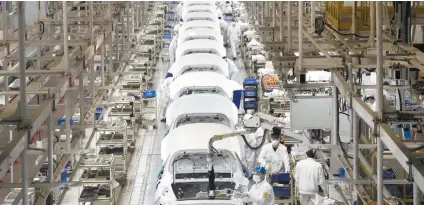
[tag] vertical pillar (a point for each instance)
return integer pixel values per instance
(417, 195)
(353, 131)
(354, 19)
(281, 4)
(289, 26)
(274, 13)
(102, 65)
(300, 31)
(68, 109)
(313, 4)
(6, 62)
(22, 95)
(372, 24)
(379, 100)
(50, 145)
(263, 13)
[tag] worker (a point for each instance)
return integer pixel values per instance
(178, 26)
(218, 12)
(309, 174)
(227, 9)
(370, 100)
(254, 139)
(166, 98)
(261, 192)
(172, 49)
(180, 9)
(273, 155)
(233, 35)
(224, 26)
(240, 124)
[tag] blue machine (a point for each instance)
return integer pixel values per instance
(250, 86)
(407, 135)
(98, 112)
(149, 93)
(281, 185)
(61, 121)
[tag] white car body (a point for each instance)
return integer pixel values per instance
(199, 24)
(203, 82)
(183, 177)
(192, 109)
(200, 8)
(200, 33)
(200, 46)
(205, 16)
(199, 62)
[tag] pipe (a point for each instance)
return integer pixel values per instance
(127, 42)
(50, 145)
(5, 61)
(417, 195)
(68, 106)
(102, 64)
(335, 130)
(281, 4)
(372, 24)
(263, 13)
(354, 19)
(300, 27)
(313, 4)
(274, 13)
(380, 61)
(289, 26)
(22, 101)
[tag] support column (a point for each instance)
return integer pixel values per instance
(263, 14)
(354, 19)
(372, 24)
(417, 195)
(5, 62)
(379, 101)
(353, 132)
(50, 145)
(300, 31)
(281, 4)
(274, 13)
(68, 109)
(22, 100)
(102, 64)
(313, 4)
(289, 26)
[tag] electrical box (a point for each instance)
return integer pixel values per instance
(311, 112)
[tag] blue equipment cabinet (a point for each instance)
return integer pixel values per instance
(282, 186)
(250, 99)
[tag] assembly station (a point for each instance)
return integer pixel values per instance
(211, 102)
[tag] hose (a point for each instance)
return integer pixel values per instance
(259, 146)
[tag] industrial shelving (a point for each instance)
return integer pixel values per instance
(113, 139)
(98, 179)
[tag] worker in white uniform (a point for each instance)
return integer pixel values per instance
(261, 193)
(227, 9)
(370, 100)
(173, 47)
(233, 34)
(273, 155)
(166, 99)
(254, 139)
(224, 26)
(180, 9)
(309, 174)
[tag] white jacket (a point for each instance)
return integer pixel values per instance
(180, 10)
(275, 159)
(309, 174)
(172, 48)
(262, 194)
